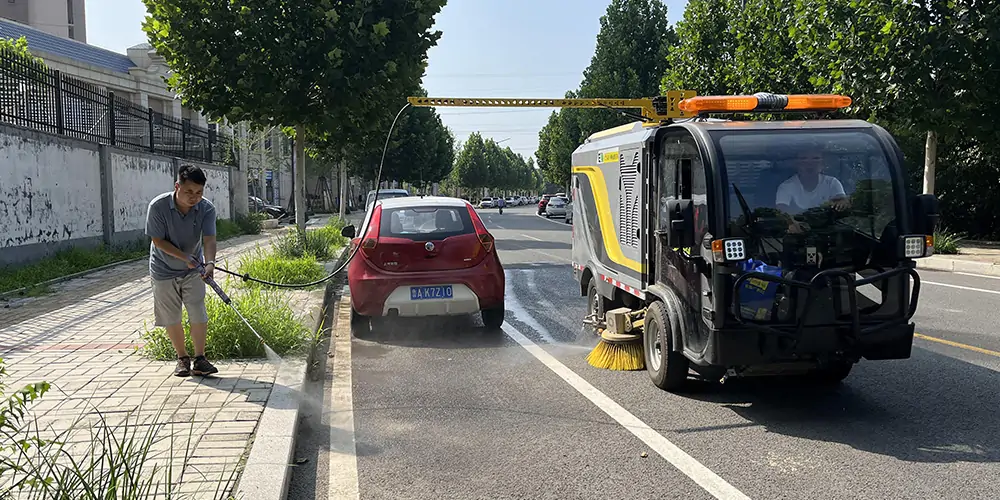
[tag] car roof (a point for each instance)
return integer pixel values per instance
(423, 201)
(392, 191)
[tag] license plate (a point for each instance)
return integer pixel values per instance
(431, 292)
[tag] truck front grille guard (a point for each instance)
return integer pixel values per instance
(821, 280)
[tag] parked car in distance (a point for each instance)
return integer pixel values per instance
(384, 194)
(486, 202)
(258, 205)
(513, 201)
(429, 256)
(556, 206)
(542, 202)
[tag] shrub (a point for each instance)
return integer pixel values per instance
(228, 336)
(250, 223)
(66, 262)
(270, 266)
(226, 229)
(946, 242)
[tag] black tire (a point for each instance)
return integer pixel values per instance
(360, 325)
(667, 369)
(493, 318)
(595, 302)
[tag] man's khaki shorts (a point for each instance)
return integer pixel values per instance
(168, 295)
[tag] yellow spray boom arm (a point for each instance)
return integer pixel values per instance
(655, 109)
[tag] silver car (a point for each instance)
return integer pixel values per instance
(556, 207)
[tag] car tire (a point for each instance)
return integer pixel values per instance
(360, 325)
(667, 368)
(493, 317)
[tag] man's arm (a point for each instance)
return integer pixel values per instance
(209, 240)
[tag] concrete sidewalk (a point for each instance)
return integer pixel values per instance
(976, 260)
(83, 339)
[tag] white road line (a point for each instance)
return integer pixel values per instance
(978, 275)
(692, 468)
(531, 237)
(343, 483)
(511, 302)
(995, 292)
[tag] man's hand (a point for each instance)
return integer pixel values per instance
(209, 271)
(840, 203)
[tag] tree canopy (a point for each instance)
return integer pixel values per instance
(482, 163)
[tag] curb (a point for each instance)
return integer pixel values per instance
(268, 468)
(935, 263)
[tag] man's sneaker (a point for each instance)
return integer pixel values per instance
(203, 367)
(183, 367)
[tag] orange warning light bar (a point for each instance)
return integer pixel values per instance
(763, 102)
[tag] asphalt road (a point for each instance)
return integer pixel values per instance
(446, 410)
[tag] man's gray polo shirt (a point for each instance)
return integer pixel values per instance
(185, 231)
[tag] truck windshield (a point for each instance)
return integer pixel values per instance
(828, 190)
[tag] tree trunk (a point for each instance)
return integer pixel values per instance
(930, 161)
(343, 187)
(300, 179)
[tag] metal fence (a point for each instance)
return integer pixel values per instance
(40, 98)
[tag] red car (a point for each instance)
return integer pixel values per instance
(424, 256)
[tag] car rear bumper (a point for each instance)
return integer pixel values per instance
(555, 211)
(379, 293)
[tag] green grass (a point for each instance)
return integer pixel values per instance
(946, 242)
(228, 337)
(238, 226)
(63, 263)
(273, 267)
(320, 243)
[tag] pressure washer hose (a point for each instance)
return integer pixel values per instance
(378, 180)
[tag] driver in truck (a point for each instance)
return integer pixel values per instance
(809, 188)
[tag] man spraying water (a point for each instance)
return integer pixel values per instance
(181, 225)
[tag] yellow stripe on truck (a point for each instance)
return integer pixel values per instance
(611, 244)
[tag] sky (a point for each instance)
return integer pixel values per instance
(488, 48)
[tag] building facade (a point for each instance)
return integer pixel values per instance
(63, 18)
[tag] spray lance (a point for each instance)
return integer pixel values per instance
(271, 355)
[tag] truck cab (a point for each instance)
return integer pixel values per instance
(751, 247)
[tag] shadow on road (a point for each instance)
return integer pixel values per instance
(932, 409)
(529, 244)
(435, 333)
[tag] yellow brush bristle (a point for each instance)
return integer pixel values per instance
(621, 357)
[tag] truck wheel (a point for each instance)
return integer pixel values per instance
(667, 369)
(595, 303)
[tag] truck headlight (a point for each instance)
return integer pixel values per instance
(917, 246)
(729, 250)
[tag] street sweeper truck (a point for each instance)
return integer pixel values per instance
(710, 237)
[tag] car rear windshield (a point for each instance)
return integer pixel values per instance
(425, 223)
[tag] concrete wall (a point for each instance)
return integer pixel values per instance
(57, 192)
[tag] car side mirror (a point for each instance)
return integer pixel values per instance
(349, 231)
(680, 231)
(925, 214)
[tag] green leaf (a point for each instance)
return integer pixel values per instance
(381, 29)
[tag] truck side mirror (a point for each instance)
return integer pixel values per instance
(925, 214)
(348, 231)
(680, 233)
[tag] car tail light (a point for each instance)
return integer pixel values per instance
(370, 239)
(484, 236)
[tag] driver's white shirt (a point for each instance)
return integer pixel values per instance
(794, 194)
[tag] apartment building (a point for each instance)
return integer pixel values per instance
(63, 18)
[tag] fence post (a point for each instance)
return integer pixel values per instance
(152, 142)
(107, 195)
(60, 119)
(185, 127)
(211, 139)
(112, 126)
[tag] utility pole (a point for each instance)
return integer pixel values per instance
(300, 179)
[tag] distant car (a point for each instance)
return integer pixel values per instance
(384, 194)
(513, 201)
(258, 205)
(486, 202)
(429, 256)
(556, 206)
(542, 202)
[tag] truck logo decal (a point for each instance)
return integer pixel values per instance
(608, 156)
